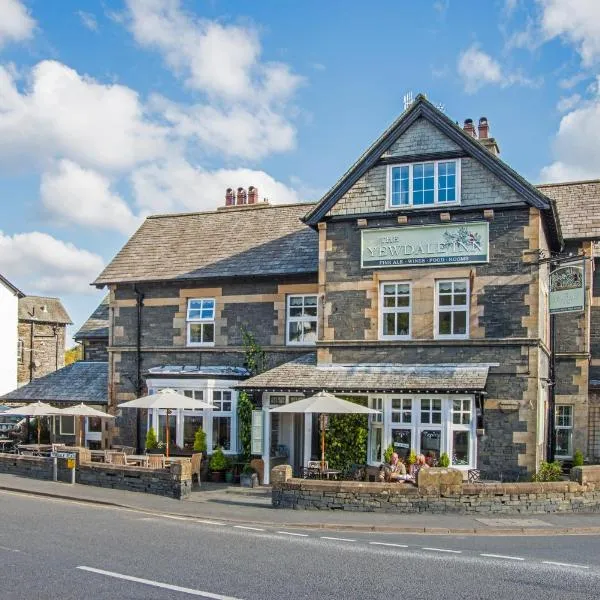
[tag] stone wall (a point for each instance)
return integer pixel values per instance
(174, 482)
(440, 497)
(95, 350)
(48, 350)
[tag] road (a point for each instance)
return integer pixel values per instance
(61, 550)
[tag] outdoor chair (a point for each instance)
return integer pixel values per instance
(58, 447)
(156, 461)
(85, 456)
(196, 462)
(118, 458)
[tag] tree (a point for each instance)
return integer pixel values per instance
(73, 354)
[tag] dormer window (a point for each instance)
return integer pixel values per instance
(432, 183)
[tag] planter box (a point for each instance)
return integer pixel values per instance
(217, 476)
(249, 481)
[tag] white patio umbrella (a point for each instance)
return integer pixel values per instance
(83, 410)
(324, 403)
(37, 409)
(168, 400)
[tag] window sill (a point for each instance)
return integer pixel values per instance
(411, 207)
(200, 345)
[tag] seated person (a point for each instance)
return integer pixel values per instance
(421, 463)
(396, 470)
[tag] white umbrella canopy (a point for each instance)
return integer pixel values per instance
(168, 400)
(37, 409)
(323, 402)
(83, 410)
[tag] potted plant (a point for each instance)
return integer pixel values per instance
(218, 464)
(200, 441)
(444, 461)
(387, 455)
(248, 477)
(151, 442)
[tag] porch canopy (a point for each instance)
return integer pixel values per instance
(303, 374)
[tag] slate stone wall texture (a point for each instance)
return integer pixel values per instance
(48, 350)
(504, 499)
(95, 350)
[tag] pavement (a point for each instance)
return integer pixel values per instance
(236, 505)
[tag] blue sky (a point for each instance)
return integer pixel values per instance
(114, 109)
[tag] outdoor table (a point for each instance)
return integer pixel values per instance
(35, 449)
(327, 473)
(97, 455)
(137, 460)
(175, 459)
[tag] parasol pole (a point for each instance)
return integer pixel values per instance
(167, 432)
(39, 428)
(322, 419)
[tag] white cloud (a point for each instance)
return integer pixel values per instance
(245, 109)
(64, 114)
(88, 20)
(46, 265)
(576, 21)
(510, 6)
(576, 151)
(175, 185)
(570, 82)
(567, 103)
(82, 196)
(478, 69)
(232, 131)
(15, 22)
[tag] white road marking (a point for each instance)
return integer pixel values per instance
(208, 522)
(443, 550)
(562, 564)
(292, 533)
(158, 584)
(388, 544)
(9, 549)
(337, 539)
(502, 556)
(244, 527)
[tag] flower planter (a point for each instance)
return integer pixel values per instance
(217, 476)
(249, 480)
(229, 476)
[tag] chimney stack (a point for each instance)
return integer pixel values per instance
(252, 195)
(241, 196)
(489, 143)
(469, 128)
(229, 197)
(483, 128)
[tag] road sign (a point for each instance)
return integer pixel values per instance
(67, 455)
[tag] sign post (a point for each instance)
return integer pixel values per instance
(71, 464)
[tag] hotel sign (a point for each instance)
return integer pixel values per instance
(567, 289)
(458, 243)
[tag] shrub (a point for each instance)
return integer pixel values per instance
(244, 411)
(248, 470)
(151, 441)
(200, 440)
(578, 458)
(444, 461)
(387, 455)
(548, 472)
(218, 460)
(412, 458)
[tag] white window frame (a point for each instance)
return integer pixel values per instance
(569, 428)
(416, 426)
(227, 414)
(396, 310)
(206, 386)
(202, 321)
(452, 308)
(301, 319)
(436, 202)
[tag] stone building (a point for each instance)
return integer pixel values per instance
(93, 334)
(42, 333)
(417, 285)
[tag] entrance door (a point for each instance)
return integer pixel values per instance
(298, 450)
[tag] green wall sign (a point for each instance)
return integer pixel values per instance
(567, 289)
(458, 243)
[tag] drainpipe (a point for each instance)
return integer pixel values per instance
(31, 352)
(552, 395)
(139, 297)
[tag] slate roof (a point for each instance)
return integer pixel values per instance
(422, 108)
(262, 240)
(303, 374)
(31, 309)
(11, 287)
(578, 204)
(80, 381)
(97, 324)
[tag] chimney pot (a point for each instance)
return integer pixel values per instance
(229, 197)
(469, 128)
(241, 196)
(484, 128)
(252, 195)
